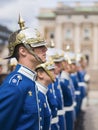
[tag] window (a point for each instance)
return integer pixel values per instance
(86, 16)
(52, 35)
(86, 34)
(68, 34)
(69, 16)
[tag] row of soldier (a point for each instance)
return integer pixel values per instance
(46, 88)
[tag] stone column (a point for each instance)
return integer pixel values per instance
(95, 46)
(77, 38)
(58, 35)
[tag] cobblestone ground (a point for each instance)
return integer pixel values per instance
(88, 119)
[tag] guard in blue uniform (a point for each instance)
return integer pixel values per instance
(59, 96)
(74, 78)
(17, 93)
(81, 73)
(61, 112)
(82, 84)
(19, 106)
(54, 53)
(51, 96)
(52, 99)
(68, 95)
(68, 101)
(45, 75)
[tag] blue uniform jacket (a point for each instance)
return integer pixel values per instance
(77, 91)
(53, 106)
(59, 97)
(68, 100)
(18, 101)
(66, 90)
(82, 84)
(45, 112)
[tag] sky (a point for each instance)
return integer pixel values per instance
(28, 9)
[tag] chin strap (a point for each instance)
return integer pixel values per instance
(50, 75)
(32, 52)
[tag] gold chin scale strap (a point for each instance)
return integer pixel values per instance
(35, 55)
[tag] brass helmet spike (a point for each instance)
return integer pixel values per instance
(21, 22)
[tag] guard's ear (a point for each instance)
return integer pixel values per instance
(23, 51)
(40, 74)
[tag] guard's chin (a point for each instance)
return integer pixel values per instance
(44, 61)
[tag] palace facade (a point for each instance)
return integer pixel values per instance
(76, 26)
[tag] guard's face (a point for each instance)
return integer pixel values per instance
(83, 63)
(41, 52)
(58, 67)
(64, 63)
(73, 68)
(68, 68)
